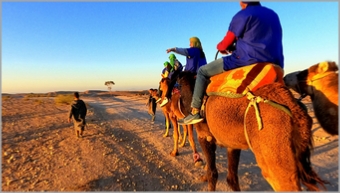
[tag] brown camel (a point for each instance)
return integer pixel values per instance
(172, 111)
(320, 82)
(282, 146)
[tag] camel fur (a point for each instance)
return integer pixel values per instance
(281, 148)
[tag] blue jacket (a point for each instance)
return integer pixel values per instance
(195, 58)
(259, 38)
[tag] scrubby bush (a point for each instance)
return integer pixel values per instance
(64, 99)
(32, 95)
(5, 97)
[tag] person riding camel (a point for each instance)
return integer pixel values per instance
(173, 69)
(258, 32)
(166, 73)
(195, 55)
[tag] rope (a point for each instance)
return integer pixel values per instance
(253, 102)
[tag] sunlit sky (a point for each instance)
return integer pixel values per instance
(77, 46)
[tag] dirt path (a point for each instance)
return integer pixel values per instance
(122, 150)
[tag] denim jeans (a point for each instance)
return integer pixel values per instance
(203, 75)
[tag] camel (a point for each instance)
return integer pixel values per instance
(151, 106)
(320, 82)
(172, 111)
(282, 146)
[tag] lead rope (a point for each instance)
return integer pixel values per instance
(253, 102)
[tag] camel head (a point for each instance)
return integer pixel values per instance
(153, 93)
(151, 90)
(301, 81)
(164, 83)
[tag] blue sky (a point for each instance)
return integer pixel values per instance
(77, 46)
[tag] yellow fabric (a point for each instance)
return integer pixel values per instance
(196, 42)
(240, 81)
(166, 74)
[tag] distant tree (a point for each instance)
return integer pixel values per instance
(109, 85)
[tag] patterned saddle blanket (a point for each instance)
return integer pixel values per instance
(241, 80)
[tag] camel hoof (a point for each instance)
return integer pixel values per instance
(182, 145)
(174, 154)
(204, 178)
(205, 167)
(166, 135)
(199, 163)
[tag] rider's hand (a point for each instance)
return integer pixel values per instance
(229, 52)
(223, 51)
(170, 50)
(226, 52)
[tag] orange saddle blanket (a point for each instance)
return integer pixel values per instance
(244, 79)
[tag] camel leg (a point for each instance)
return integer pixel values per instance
(185, 134)
(167, 125)
(233, 161)
(279, 167)
(197, 159)
(77, 133)
(174, 152)
(209, 151)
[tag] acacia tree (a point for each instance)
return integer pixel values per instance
(109, 85)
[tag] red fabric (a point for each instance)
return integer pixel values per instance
(176, 90)
(228, 40)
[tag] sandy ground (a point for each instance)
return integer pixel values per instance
(122, 150)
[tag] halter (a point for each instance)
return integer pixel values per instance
(310, 82)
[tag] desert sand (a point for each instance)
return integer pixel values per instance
(122, 150)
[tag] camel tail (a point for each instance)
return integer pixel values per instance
(307, 175)
(303, 143)
(302, 136)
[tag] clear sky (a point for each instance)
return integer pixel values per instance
(77, 46)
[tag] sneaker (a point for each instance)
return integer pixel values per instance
(190, 119)
(165, 101)
(159, 99)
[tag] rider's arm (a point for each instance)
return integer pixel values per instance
(182, 51)
(228, 40)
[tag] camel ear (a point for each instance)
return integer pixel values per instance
(327, 66)
(322, 67)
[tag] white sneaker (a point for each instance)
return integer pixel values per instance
(164, 102)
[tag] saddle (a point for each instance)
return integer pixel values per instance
(238, 82)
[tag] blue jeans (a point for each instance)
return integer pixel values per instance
(203, 75)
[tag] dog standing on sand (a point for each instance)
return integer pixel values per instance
(78, 112)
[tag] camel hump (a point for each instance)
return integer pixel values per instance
(248, 78)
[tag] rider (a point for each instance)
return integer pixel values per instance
(195, 55)
(166, 73)
(175, 68)
(258, 32)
